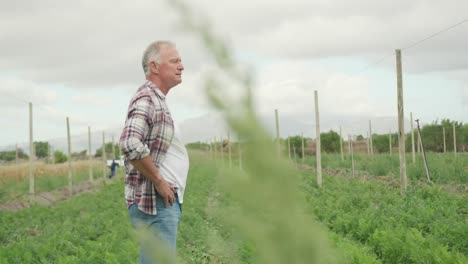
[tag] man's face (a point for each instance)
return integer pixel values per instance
(170, 69)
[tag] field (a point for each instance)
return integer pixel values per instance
(358, 220)
(444, 168)
(14, 180)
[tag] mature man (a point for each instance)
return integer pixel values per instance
(155, 159)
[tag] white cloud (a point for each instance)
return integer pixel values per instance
(85, 43)
(289, 86)
(91, 99)
(92, 48)
(17, 93)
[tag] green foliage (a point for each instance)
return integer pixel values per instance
(80, 155)
(108, 148)
(86, 229)
(426, 226)
(11, 155)
(246, 208)
(41, 149)
(381, 143)
(92, 226)
(444, 168)
(368, 222)
(359, 137)
(296, 145)
(433, 139)
(198, 145)
(464, 134)
(8, 155)
(60, 157)
(330, 142)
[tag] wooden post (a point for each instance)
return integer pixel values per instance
(278, 147)
(352, 154)
(70, 176)
(303, 150)
(370, 139)
(412, 138)
(390, 141)
(443, 135)
(48, 151)
(113, 148)
(368, 143)
(89, 155)
(31, 155)
(341, 146)
(240, 154)
(401, 125)
(294, 156)
(104, 159)
(454, 140)
(349, 148)
(53, 155)
(419, 142)
(229, 150)
(317, 142)
(210, 144)
(217, 155)
(16, 162)
(222, 150)
(289, 149)
(426, 166)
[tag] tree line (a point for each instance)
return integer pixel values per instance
(432, 136)
(42, 149)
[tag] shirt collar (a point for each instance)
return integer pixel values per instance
(153, 86)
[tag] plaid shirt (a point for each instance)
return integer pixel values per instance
(148, 131)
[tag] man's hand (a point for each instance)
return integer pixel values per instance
(146, 167)
(166, 191)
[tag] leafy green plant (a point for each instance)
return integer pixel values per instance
(60, 157)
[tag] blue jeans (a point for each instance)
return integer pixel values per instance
(161, 227)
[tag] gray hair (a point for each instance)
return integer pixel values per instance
(152, 54)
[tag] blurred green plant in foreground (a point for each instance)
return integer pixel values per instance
(262, 203)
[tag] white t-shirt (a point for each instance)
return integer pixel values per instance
(174, 168)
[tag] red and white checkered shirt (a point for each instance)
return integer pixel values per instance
(148, 131)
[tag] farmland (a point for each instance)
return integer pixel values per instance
(364, 221)
(444, 168)
(48, 177)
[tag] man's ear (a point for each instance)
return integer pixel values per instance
(154, 67)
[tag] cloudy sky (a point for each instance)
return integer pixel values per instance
(82, 59)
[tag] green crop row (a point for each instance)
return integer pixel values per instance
(90, 228)
(444, 168)
(428, 225)
(205, 238)
(367, 222)
(19, 190)
(95, 228)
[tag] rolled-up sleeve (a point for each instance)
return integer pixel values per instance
(137, 126)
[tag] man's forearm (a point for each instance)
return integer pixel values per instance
(146, 167)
